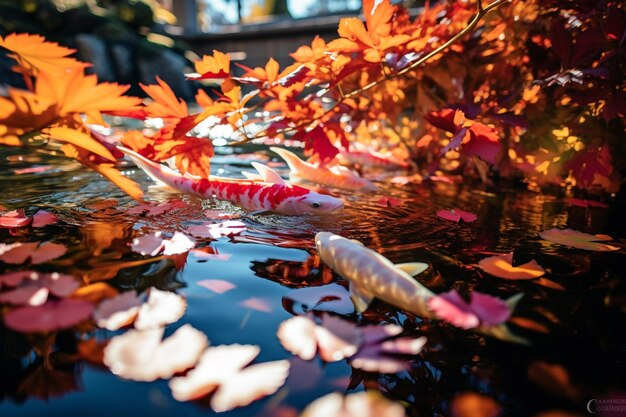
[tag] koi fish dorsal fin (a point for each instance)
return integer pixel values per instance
(347, 172)
(290, 158)
(252, 176)
(361, 299)
(412, 268)
(268, 174)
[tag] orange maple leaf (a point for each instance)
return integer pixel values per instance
(166, 104)
(34, 54)
(374, 39)
(212, 67)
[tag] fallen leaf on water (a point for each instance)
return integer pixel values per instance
(332, 297)
(161, 308)
(203, 255)
(15, 218)
(585, 203)
(34, 289)
(33, 170)
(214, 214)
(471, 404)
(361, 404)
(154, 244)
(222, 371)
(12, 279)
(578, 239)
(217, 230)
(483, 309)
(501, 266)
(456, 215)
(141, 355)
(378, 347)
(218, 286)
(258, 304)
(19, 253)
(390, 202)
(335, 339)
(44, 218)
(157, 209)
(119, 311)
(54, 315)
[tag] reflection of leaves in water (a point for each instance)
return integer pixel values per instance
(44, 382)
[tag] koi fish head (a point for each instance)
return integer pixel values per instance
(314, 203)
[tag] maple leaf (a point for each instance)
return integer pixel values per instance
(374, 39)
(477, 138)
(591, 164)
(165, 103)
(34, 54)
(212, 67)
(317, 140)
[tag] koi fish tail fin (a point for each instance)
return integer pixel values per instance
(291, 159)
(502, 331)
(159, 173)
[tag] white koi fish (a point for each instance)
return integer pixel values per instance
(337, 176)
(271, 193)
(371, 275)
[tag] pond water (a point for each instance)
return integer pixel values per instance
(575, 318)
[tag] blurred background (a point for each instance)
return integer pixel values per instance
(132, 41)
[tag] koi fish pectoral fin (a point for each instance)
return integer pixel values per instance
(361, 298)
(268, 174)
(503, 333)
(412, 268)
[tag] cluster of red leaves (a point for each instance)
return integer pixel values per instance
(532, 88)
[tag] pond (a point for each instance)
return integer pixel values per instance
(237, 289)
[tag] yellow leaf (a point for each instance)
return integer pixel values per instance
(33, 53)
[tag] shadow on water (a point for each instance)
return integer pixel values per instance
(576, 322)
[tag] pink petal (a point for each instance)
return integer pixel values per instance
(218, 286)
(371, 359)
(47, 251)
(257, 304)
(298, 336)
(12, 279)
(362, 404)
(179, 243)
(18, 253)
(33, 170)
(149, 245)
(119, 311)
(31, 295)
(142, 356)
(456, 215)
(254, 382)
(203, 255)
(490, 310)
(337, 339)
(214, 214)
(220, 370)
(451, 307)
(216, 365)
(215, 231)
(162, 307)
(44, 218)
(157, 209)
(332, 297)
(15, 218)
(54, 315)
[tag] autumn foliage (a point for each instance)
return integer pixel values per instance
(531, 89)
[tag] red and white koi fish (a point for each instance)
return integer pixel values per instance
(370, 159)
(272, 193)
(337, 176)
(371, 275)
